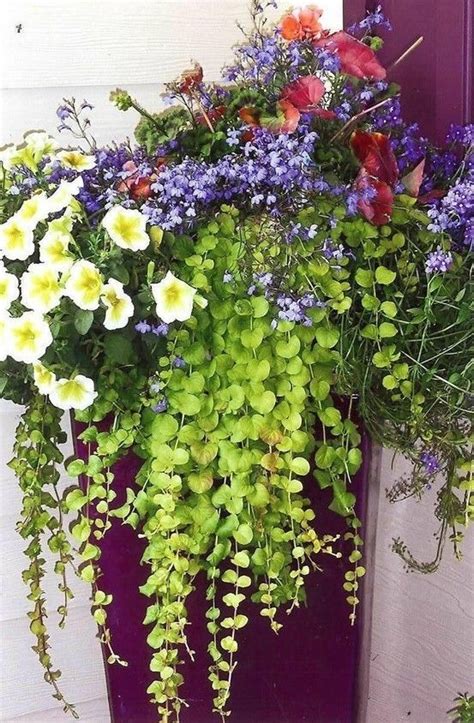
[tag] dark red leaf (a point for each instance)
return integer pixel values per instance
(377, 210)
(356, 58)
(376, 155)
(304, 93)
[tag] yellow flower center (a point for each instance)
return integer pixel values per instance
(71, 391)
(26, 336)
(173, 294)
(126, 228)
(15, 236)
(89, 283)
(29, 208)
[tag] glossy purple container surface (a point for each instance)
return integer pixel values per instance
(309, 672)
(437, 78)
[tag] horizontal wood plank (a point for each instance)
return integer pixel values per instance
(108, 123)
(91, 711)
(114, 42)
(75, 650)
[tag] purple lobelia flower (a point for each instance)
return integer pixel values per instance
(160, 406)
(161, 329)
(438, 261)
(430, 463)
(143, 327)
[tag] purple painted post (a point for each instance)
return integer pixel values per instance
(310, 672)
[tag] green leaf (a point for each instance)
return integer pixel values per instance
(118, 348)
(319, 389)
(251, 338)
(228, 643)
(288, 349)
(260, 306)
(83, 321)
(327, 338)
(257, 370)
(325, 456)
(244, 534)
(200, 482)
(75, 500)
(343, 501)
(241, 559)
(188, 404)
(389, 309)
(389, 382)
(300, 466)
(364, 277)
(75, 468)
(329, 416)
(264, 403)
(387, 330)
(164, 427)
(384, 276)
(81, 530)
(87, 573)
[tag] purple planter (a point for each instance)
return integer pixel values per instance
(312, 671)
(437, 79)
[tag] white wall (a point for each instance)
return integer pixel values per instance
(422, 627)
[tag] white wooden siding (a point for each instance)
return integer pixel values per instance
(422, 627)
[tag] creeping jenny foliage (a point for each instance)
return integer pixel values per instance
(221, 486)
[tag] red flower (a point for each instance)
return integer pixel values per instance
(302, 25)
(304, 93)
(356, 58)
(379, 205)
(375, 154)
(190, 78)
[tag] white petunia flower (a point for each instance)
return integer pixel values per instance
(37, 145)
(63, 223)
(41, 142)
(54, 250)
(40, 289)
(44, 379)
(7, 153)
(34, 210)
(76, 160)
(64, 195)
(8, 289)
(119, 305)
(174, 299)
(16, 239)
(28, 337)
(84, 285)
(77, 393)
(127, 228)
